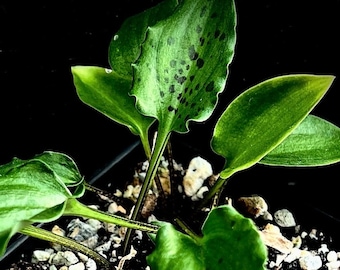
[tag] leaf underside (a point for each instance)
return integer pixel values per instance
(315, 142)
(107, 92)
(35, 190)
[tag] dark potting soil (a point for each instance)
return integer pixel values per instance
(316, 238)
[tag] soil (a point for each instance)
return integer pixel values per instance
(39, 42)
(168, 210)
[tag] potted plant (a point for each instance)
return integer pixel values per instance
(174, 80)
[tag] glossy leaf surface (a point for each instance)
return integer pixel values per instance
(227, 242)
(107, 92)
(314, 142)
(263, 116)
(184, 63)
(35, 190)
(125, 46)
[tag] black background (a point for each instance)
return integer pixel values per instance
(39, 108)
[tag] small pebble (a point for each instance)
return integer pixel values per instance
(333, 265)
(91, 264)
(199, 169)
(77, 266)
(310, 262)
(284, 218)
(41, 255)
(332, 256)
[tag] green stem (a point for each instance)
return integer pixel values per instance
(187, 230)
(217, 187)
(161, 142)
(160, 145)
(146, 145)
(76, 208)
(64, 241)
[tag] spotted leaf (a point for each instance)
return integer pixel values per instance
(125, 45)
(184, 63)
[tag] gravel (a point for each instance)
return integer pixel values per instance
(290, 246)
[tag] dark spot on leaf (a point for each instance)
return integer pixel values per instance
(179, 116)
(217, 33)
(180, 71)
(198, 29)
(202, 41)
(186, 103)
(192, 77)
(187, 118)
(197, 86)
(186, 90)
(200, 62)
(161, 93)
(181, 79)
(182, 62)
(173, 63)
(193, 55)
(170, 41)
(171, 88)
(179, 96)
(210, 87)
(190, 92)
(214, 15)
(187, 67)
(170, 108)
(166, 70)
(222, 37)
(192, 105)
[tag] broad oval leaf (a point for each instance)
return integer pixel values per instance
(263, 116)
(35, 190)
(228, 239)
(184, 63)
(315, 142)
(125, 46)
(107, 92)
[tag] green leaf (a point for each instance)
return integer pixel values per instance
(263, 116)
(64, 168)
(230, 241)
(125, 46)
(107, 92)
(35, 191)
(314, 142)
(184, 62)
